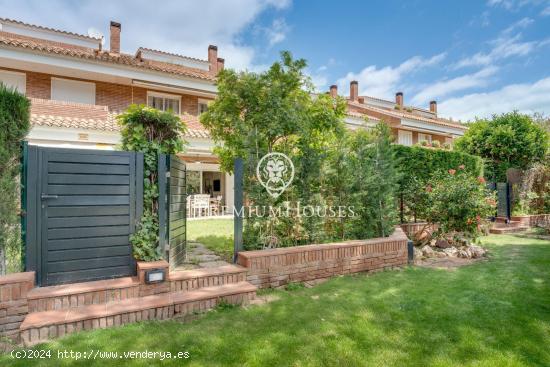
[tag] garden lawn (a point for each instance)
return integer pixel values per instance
(215, 234)
(491, 313)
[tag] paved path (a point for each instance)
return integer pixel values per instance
(198, 256)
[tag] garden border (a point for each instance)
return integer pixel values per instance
(277, 267)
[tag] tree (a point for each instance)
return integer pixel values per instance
(14, 126)
(276, 110)
(152, 132)
(376, 182)
(510, 140)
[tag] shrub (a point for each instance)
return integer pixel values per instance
(510, 140)
(418, 165)
(14, 126)
(152, 132)
(458, 202)
(436, 144)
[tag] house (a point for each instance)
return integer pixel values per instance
(77, 88)
(410, 125)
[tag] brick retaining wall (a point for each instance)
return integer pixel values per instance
(14, 305)
(418, 231)
(276, 267)
(532, 220)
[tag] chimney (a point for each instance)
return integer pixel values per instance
(399, 99)
(353, 90)
(361, 100)
(115, 37)
(221, 63)
(213, 58)
(333, 91)
(433, 106)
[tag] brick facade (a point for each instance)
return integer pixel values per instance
(117, 97)
(277, 267)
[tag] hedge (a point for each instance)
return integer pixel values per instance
(422, 162)
(418, 165)
(14, 125)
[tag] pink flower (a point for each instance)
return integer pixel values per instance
(481, 180)
(429, 188)
(461, 166)
(452, 171)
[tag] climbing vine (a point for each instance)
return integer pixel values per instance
(152, 132)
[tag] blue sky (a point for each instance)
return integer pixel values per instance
(474, 57)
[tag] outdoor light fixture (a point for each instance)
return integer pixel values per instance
(155, 276)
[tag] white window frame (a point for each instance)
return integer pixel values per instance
(405, 137)
(17, 74)
(165, 95)
(202, 101)
(74, 82)
(426, 137)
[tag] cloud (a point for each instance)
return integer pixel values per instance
(384, 82)
(526, 98)
(446, 87)
(505, 46)
(545, 12)
(181, 27)
(277, 32)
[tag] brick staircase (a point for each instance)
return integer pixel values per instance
(59, 310)
(500, 226)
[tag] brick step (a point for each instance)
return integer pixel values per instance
(512, 223)
(501, 230)
(500, 219)
(67, 296)
(187, 280)
(41, 326)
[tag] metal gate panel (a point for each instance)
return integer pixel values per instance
(172, 208)
(88, 204)
(503, 199)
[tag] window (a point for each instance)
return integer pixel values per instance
(424, 137)
(404, 137)
(203, 106)
(164, 102)
(14, 80)
(73, 91)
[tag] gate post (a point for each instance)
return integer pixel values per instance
(238, 211)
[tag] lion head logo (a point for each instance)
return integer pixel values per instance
(275, 172)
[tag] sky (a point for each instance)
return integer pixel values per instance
(476, 58)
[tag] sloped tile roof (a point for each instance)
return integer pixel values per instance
(91, 117)
(7, 20)
(403, 114)
(44, 46)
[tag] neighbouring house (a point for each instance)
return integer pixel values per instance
(77, 88)
(409, 124)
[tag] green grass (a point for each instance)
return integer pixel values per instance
(215, 234)
(491, 313)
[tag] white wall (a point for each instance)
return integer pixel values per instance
(14, 80)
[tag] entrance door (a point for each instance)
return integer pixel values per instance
(82, 206)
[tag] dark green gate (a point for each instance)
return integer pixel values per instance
(172, 208)
(80, 207)
(504, 199)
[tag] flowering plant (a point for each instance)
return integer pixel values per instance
(459, 202)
